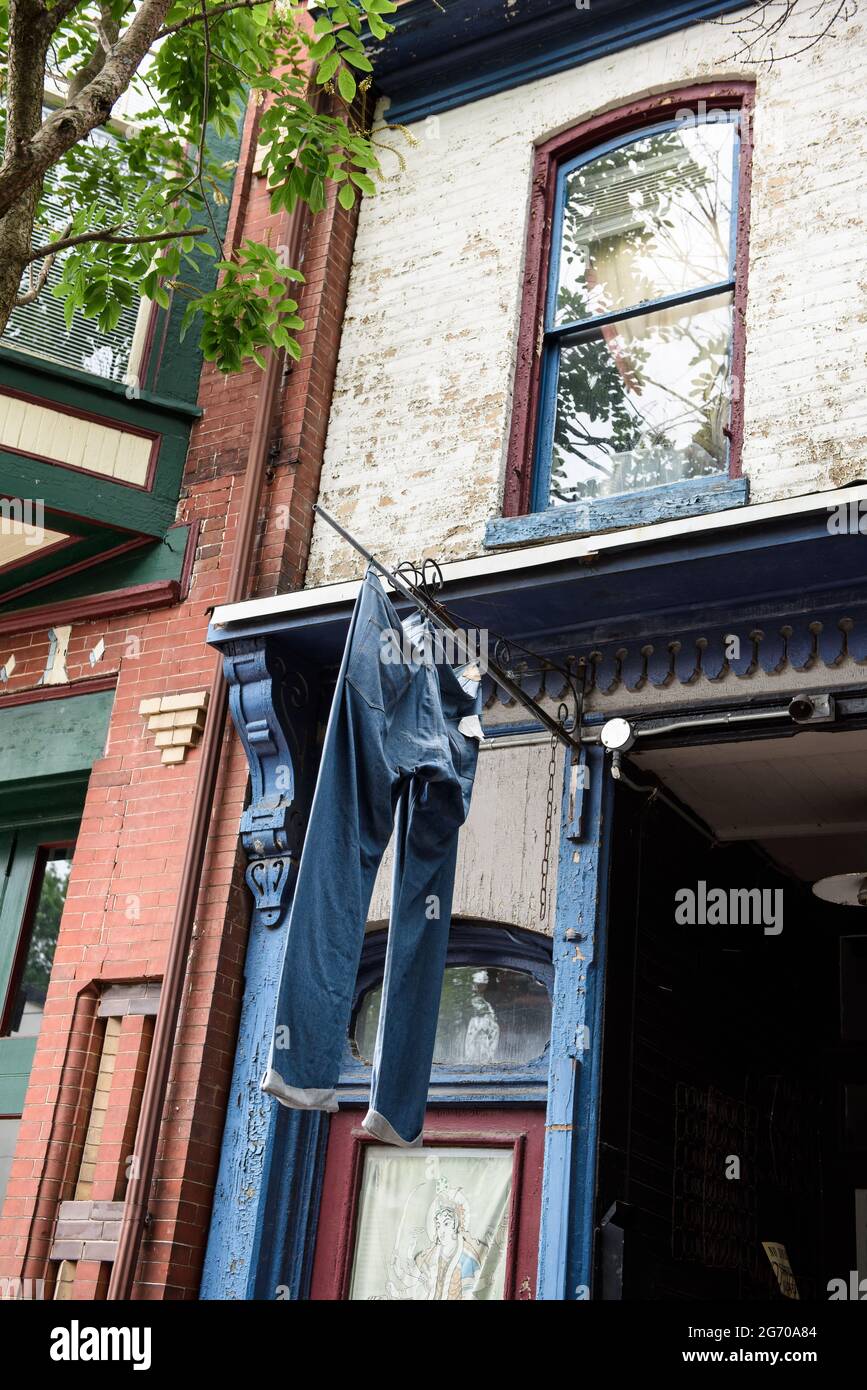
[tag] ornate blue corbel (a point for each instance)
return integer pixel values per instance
(270, 708)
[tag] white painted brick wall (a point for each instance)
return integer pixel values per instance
(419, 424)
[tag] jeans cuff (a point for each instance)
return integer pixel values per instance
(378, 1126)
(296, 1098)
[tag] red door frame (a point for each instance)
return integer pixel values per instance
(521, 1130)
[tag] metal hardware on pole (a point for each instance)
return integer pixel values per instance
(439, 615)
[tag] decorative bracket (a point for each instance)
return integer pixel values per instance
(270, 708)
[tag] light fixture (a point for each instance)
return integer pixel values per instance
(617, 735)
(812, 709)
(846, 890)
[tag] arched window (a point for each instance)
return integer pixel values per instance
(494, 1019)
(635, 306)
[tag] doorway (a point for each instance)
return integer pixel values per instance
(733, 1135)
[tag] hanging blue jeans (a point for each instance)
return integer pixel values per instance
(393, 748)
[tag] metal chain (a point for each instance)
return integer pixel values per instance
(562, 716)
(549, 820)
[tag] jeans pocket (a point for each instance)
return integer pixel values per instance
(377, 669)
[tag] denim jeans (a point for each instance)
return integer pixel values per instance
(394, 757)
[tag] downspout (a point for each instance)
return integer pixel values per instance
(171, 996)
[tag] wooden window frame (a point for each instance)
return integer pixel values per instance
(518, 497)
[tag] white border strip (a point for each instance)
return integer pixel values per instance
(540, 554)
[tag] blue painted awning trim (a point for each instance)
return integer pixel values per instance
(665, 503)
(665, 583)
(442, 57)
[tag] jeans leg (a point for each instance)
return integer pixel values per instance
(426, 843)
(350, 824)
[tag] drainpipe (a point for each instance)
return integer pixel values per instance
(159, 1066)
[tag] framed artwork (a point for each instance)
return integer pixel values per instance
(432, 1224)
(454, 1220)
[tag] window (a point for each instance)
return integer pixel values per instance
(40, 329)
(34, 875)
(494, 1017)
(487, 1018)
(633, 306)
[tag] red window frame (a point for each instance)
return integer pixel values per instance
(549, 156)
(520, 1129)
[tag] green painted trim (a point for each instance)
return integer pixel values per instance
(48, 562)
(57, 736)
(16, 1054)
(99, 499)
(173, 365)
(16, 1063)
(39, 801)
(56, 375)
(163, 559)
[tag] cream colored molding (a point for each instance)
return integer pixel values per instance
(48, 432)
(176, 721)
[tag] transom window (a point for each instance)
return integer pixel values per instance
(487, 1017)
(637, 333)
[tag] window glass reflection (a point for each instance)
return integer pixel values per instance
(29, 1002)
(487, 1017)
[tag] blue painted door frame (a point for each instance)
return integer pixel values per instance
(266, 1204)
(571, 1122)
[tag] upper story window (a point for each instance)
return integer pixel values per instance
(40, 328)
(632, 330)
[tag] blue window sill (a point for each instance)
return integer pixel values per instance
(669, 502)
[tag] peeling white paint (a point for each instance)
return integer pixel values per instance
(421, 409)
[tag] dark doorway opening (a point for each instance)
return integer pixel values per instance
(733, 1138)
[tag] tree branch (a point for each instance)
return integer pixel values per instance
(109, 235)
(27, 159)
(35, 290)
(209, 15)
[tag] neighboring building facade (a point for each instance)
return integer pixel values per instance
(602, 360)
(123, 471)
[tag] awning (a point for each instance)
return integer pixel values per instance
(595, 585)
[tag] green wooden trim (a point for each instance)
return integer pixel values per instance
(16, 1054)
(160, 560)
(57, 736)
(45, 563)
(16, 1063)
(78, 494)
(38, 802)
(175, 366)
(102, 393)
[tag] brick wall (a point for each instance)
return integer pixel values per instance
(417, 441)
(132, 844)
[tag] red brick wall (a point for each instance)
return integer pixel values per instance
(128, 859)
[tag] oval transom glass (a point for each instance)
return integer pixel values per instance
(487, 1018)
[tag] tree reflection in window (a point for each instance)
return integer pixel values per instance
(487, 1018)
(29, 1001)
(639, 319)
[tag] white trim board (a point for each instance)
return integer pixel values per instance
(538, 555)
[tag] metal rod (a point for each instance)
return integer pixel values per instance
(439, 615)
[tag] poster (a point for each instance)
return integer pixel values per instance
(432, 1224)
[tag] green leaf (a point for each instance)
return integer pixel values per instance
(346, 85)
(363, 182)
(322, 48)
(358, 60)
(328, 68)
(346, 195)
